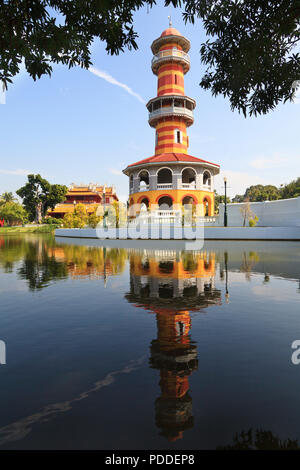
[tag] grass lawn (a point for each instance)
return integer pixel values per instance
(34, 229)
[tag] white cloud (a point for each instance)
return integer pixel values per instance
(18, 172)
(113, 81)
(263, 163)
(275, 161)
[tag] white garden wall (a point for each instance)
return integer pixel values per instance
(281, 213)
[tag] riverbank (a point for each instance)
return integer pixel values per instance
(29, 229)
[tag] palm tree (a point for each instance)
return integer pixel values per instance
(8, 197)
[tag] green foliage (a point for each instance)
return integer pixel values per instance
(290, 190)
(269, 192)
(220, 199)
(42, 32)
(7, 197)
(253, 221)
(262, 193)
(116, 215)
(13, 213)
(76, 219)
(94, 220)
(260, 440)
(251, 54)
(38, 195)
(52, 221)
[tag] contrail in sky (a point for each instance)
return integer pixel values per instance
(113, 81)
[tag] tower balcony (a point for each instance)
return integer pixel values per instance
(171, 106)
(170, 55)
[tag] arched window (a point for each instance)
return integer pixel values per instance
(207, 178)
(188, 177)
(164, 176)
(144, 204)
(144, 180)
(165, 203)
(206, 207)
(188, 200)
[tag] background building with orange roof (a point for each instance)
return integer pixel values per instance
(92, 196)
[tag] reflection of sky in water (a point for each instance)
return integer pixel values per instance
(216, 326)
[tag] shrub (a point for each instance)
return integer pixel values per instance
(52, 221)
(253, 222)
(94, 220)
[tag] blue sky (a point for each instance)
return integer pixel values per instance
(81, 127)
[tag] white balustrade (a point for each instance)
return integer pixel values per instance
(172, 110)
(188, 185)
(164, 186)
(171, 54)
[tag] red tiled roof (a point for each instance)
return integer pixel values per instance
(171, 157)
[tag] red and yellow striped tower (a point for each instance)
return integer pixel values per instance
(171, 178)
(170, 63)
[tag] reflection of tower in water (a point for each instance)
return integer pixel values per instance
(172, 285)
(176, 357)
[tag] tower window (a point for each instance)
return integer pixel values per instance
(178, 136)
(175, 79)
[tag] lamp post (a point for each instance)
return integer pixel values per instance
(104, 206)
(225, 207)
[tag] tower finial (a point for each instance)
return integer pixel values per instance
(170, 21)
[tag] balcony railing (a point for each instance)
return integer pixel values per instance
(164, 186)
(171, 111)
(170, 54)
(144, 187)
(188, 185)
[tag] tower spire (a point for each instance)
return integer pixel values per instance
(170, 21)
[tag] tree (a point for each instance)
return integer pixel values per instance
(13, 213)
(76, 219)
(258, 193)
(42, 32)
(38, 195)
(94, 219)
(117, 214)
(238, 198)
(220, 199)
(252, 56)
(290, 190)
(246, 212)
(7, 197)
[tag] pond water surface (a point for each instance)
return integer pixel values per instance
(108, 348)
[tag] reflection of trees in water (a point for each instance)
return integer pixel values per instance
(84, 261)
(12, 250)
(38, 268)
(43, 260)
(248, 263)
(260, 440)
(190, 262)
